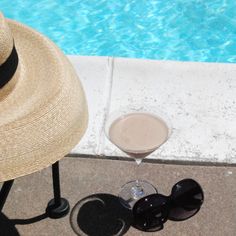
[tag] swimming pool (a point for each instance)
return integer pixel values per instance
(186, 30)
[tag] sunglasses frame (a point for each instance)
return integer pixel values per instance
(171, 196)
(170, 204)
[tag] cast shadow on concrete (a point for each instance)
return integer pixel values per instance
(8, 226)
(100, 215)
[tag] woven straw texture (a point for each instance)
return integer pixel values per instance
(43, 110)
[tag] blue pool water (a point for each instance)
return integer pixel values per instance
(186, 30)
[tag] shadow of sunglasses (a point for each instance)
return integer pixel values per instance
(151, 212)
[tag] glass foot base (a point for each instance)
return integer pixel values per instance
(132, 191)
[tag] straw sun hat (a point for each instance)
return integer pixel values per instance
(43, 110)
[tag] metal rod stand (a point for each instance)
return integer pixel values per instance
(57, 207)
(6, 187)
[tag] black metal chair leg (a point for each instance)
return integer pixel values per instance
(57, 207)
(6, 187)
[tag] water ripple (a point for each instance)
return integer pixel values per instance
(193, 30)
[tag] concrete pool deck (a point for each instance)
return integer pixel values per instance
(81, 177)
(199, 100)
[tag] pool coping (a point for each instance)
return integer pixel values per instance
(202, 111)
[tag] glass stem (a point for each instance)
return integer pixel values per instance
(138, 162)
(137, 190)
(138, 186)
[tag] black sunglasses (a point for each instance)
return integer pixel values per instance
(151, 212)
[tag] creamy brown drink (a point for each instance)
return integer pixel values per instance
(138, 134)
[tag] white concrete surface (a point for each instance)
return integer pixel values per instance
(95, 75)
(198, 98)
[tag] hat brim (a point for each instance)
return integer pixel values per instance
(45, 115)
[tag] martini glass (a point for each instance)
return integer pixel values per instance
(137, 132)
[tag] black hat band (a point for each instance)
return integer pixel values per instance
(8, 68)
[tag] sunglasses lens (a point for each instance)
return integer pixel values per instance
(150, 213)
(186, 200)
